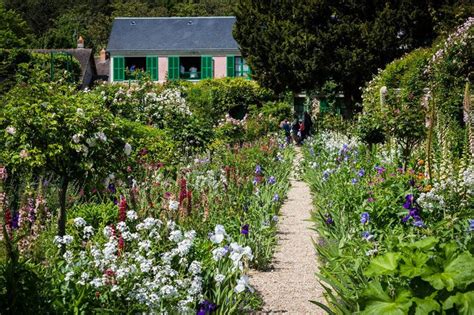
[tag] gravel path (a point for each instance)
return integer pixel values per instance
(290, 283)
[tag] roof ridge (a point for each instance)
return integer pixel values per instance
(171, 17)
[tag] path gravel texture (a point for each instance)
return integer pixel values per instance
(291, 282)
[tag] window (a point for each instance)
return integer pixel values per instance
(237, 67)
(241, 67)
(134, 66)
(190, 68)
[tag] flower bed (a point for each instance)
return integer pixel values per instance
(169, 242)
(390, 241)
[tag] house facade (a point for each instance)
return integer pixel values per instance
(174, 48)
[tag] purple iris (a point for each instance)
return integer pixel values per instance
(361, 172)
(408, 201)
(16, 221)
(329, 220)
(258, 170)
(112, 188)
(471, 225)
(354, 181)
(412, 182)
(413, 210)
(364, 217)
(380, 169)
(206, 307)
(271, 180)
(276, 198)
(245, 229)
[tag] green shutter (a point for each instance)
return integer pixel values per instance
(152, 67)
(206, 67)
(173, 68)
(119, 68)
(231, 66)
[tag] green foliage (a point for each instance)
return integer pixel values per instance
(301, 45)
(14, 32)
(17, 65)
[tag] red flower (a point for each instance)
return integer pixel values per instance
(122, 209)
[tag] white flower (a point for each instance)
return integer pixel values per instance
(132, 215)
(68, 256)
(168, 291)
(219, 253)
(127, 149)
(96, 282)
(176, 236)
(144, 245)
(11, 130)
(196, 286)
(184, 246)
(190, 235)
(219, 234)
(101, 136)
(79, 222)
(88, 231)
(76, 138)
(69, 275)
(243, 283)
(219, 278)
(195, 267)
(173, 205)
(108, 231)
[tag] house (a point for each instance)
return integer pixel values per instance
(85, 57)
(172, 48)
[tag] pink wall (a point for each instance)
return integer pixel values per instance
(162, 68)
(220, 67)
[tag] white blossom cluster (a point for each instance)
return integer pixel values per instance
(132, 264)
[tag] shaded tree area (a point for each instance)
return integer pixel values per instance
(58, 23)
(301, 45)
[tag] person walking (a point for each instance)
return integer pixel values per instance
(285, 125)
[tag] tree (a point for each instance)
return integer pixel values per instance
(301, 45)
(53, 128)
(14, 32)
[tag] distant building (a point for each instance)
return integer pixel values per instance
(84, 56)
(172, 48)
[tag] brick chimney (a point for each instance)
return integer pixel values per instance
(80, 42)
(102, 55)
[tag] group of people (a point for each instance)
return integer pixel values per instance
(299, 130)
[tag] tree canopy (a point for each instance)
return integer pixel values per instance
(301, 45)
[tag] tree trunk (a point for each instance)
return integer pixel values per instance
(62, 206)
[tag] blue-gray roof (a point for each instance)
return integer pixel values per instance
(172, 34)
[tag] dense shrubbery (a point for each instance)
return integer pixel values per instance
(18, 65)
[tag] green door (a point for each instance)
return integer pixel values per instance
(152, 67)
(173, 68)
(119, 68)
(207, 70)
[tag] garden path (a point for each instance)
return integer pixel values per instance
(291, 282)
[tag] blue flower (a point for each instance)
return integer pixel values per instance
(276, 198)
(354, 181)
(275, 218)
(364, 217)
(329, 220)
(471, 225)
(206, 307)
(361, 172)
(258, 170)
(271, 180)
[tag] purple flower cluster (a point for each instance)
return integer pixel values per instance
(206, 307)
(364, 218)
(413, 211)
(380, 169)
(258, 170)
(271, 180)
(245, 229)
